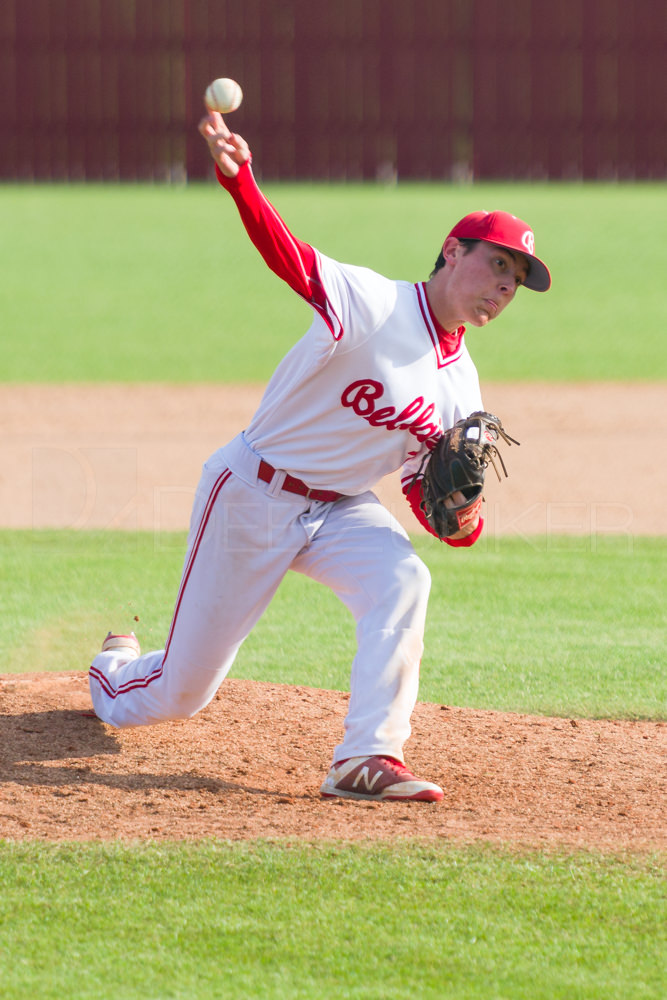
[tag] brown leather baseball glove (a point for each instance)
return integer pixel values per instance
(457, 465)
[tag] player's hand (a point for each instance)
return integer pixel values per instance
(458, 498)
(230, 151)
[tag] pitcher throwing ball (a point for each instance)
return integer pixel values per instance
(372, 386)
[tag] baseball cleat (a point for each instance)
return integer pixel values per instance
(130, 643)
(379, 779)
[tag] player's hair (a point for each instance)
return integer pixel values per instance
(440, 262)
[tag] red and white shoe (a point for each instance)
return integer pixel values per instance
(124, 643)
(377, 778)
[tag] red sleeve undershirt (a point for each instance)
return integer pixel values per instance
(295, 262)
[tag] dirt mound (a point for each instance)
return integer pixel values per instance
(250, 765)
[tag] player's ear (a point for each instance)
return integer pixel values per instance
(451, 249)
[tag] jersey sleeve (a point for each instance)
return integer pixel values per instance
(294, 261)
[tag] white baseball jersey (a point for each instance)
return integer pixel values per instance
(372, 384)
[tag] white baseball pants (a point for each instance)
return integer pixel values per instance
(244, 536)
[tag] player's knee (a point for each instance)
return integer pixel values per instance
(186, 702)
(412, 586)
(420, 578)
(186, 708)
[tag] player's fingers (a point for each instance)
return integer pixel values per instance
(218, 144)
(205, 127)
(240, 145)
(455, 500)
(213, 124)
(219, 123)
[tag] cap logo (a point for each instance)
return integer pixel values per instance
(528, 241)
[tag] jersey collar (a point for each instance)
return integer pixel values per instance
(447, 345)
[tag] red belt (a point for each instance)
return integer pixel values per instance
(293, 485)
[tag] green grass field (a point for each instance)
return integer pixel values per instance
(140, 283)
(128, 283)
(281, 922)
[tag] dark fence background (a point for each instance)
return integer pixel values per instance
(433, 89)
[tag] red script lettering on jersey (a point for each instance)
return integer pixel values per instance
(416, 417)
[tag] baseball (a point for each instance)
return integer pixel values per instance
(223, 95)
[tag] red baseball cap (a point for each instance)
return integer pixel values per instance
(507, 231)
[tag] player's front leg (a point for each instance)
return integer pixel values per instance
(363, 554)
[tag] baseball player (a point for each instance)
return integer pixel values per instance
(368, 390)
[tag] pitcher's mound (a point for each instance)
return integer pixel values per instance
(250, 765)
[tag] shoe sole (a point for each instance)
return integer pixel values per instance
(113, 643)
(426, 796)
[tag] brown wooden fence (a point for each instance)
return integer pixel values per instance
(434, 89)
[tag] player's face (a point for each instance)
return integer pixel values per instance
(484, 281)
